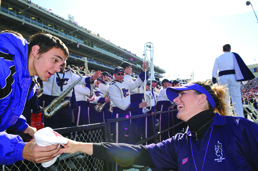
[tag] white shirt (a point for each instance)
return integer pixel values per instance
(52, 87)
(119, 92)
(130, 79)
(163, 95)
(81, 92)
(97, 95)
(103, 87)
(222, 63)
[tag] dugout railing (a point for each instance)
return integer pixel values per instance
(95, 133)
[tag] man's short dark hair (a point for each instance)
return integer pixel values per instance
(226, 48)
(46, 42)
(125, 64)
(105, 73)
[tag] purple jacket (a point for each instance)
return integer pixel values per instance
(230, 144)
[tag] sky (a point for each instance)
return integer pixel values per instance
(187, 35)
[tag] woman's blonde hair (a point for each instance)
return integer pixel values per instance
(219, 94)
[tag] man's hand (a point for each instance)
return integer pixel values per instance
(107, 99)
(145, 66)
(31, 131)
(91, 99)
(142, 104)
(95, 76)
(38, 154)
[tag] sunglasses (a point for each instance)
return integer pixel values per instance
(120, 74)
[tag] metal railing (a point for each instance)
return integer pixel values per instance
(250, 113)
(94, 133)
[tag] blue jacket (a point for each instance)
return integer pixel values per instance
(230, 142)
(15, 82)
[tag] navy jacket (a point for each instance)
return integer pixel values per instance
(232, 146)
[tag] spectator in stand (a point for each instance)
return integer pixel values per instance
(119, 92)
(163, 104)
(136, 99)
(55, 86)
(175, 83)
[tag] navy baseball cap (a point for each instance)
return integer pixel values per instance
(164, 81)
(172, 92)
(119, 69)
(175, 82)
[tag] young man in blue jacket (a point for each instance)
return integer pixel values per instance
(21, 61)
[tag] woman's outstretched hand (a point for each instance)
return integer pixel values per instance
(74, 147)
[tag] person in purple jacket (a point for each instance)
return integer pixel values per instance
(213, 140)
(19, 62)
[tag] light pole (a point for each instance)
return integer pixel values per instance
(249, 3)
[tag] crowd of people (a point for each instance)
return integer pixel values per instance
(249, 91)
(210, 138)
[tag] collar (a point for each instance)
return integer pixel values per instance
(119, 81)
(218, 120)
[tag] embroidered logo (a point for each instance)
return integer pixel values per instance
(219, 152)
(125, 92)
(97, 93)
(185, 160)
(61, 82)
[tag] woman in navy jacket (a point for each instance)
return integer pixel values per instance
(212, 141)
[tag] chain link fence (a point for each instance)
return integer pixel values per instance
(70, 162)
(92, 133)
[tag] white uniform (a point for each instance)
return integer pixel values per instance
(150, 99)
(103, 87)
(119, 92)
(81, 92)
(130, 79)
(225, 62)
(97, 95)
(162, 95)
(52, 87)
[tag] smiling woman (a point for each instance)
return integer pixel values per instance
(209, 142)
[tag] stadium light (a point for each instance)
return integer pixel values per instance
(249, 3)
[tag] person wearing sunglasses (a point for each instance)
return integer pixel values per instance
(136, 99)
(119, 92)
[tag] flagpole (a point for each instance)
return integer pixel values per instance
(249, 3)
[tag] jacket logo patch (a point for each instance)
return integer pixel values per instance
(61, 82)
(97, 93)
(125, 92)
(7, 89)
(184, 161)
(219, 152)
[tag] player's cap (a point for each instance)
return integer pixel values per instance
(118, 69)
(164, 81)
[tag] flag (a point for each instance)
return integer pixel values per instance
(78, 44)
